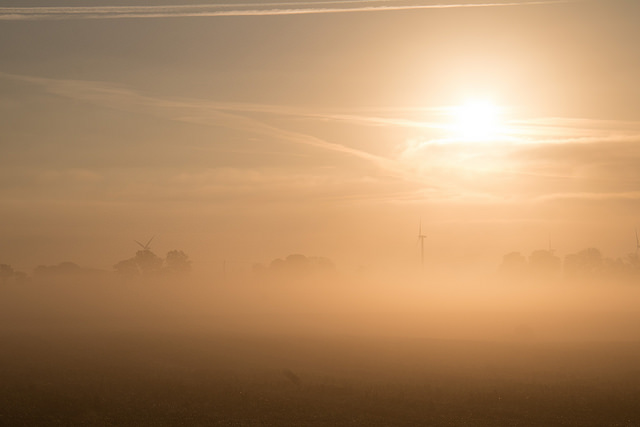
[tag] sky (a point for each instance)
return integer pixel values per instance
(246, 131)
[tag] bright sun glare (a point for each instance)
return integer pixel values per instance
(476, 121)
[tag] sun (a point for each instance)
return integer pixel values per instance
(477, 120)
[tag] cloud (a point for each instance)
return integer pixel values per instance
(562, 130)
(595, 196)
(536, 131)
(231, 10)
(565, 159)
(220, 188)
(543, 156)
(194, 111)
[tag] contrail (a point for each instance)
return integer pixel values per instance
(268, 9)
(198, 112)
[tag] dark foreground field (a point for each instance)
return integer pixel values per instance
(140, 379)
(136, 356)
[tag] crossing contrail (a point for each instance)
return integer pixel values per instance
(233, 10)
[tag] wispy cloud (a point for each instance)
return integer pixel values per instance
(545, 155)
(595, 196)
(230, 10)
(193, 111)
(567, 130)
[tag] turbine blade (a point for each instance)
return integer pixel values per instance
(149, 242)
(141, 245)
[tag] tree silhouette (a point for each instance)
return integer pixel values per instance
(615, 268)
(177, 262)
(6, 273)
(633, 263)
(543, 264)
(127, 268)
(585, 264)
(20, 277)
(296, 266)
(67, 272)
(514, 265)
(62, 270)
(148, 262)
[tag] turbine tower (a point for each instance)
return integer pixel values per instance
(421, 238)
(637, 242)
(145, 247)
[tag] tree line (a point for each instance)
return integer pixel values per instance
(144, 264)
(586, 265)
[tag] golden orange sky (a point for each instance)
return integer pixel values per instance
(249, 131)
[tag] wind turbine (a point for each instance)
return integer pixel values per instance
(637, 242)
(145, 247)
(421, 238)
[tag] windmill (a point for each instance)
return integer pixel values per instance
(145, 247)
(637, 242)
(421, 238)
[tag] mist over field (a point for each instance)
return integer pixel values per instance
(319, 212)
(414, 307)
(322, 350)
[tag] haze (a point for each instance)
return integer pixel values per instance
(348, 175)
(251, 137)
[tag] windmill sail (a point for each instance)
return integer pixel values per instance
(145, 247)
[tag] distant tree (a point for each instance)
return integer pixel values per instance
(323, 265)
(67, 267)
(41, 271)
(67, 272)
(127, 268)
(20, 277)
(258, 268)
(6, 273)
(63, 269)
(148, 262)
(633, 264)
(633, 261)
(296, 266)
(278, 265)
(585, 264)
(543, 264)
(177, 262)
(514, 265)
(616, 269)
